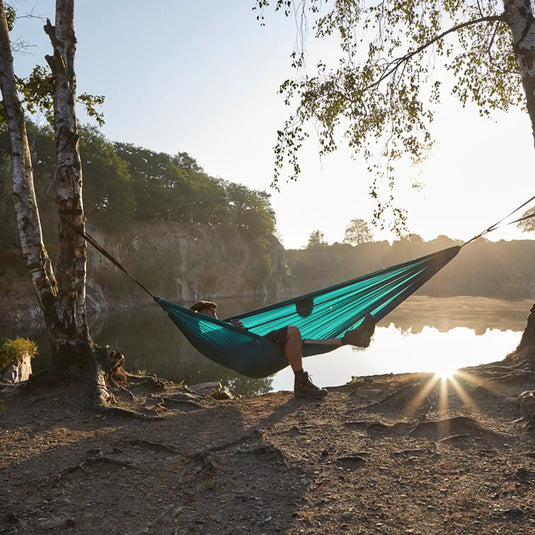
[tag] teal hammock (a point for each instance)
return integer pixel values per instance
(319, 315)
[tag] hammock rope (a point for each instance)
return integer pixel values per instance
(498, 223)
(319, 315)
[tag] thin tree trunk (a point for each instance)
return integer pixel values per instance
(521, 21)
(71, 267)
(27, 213)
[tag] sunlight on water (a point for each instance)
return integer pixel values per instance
(394, 351)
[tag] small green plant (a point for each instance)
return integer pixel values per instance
(212, 484)
(13, 350)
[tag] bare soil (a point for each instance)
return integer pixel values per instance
(395, 454)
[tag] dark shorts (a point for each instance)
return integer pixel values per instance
(278, 336)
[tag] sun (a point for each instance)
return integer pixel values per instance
(445, 371)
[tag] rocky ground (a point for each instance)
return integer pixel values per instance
(396, 454)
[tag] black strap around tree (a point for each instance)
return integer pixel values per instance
(88, 238)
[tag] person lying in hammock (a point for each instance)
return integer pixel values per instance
(289, 338)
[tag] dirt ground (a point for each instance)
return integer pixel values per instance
(395, 454)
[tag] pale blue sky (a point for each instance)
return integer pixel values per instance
(202, 77)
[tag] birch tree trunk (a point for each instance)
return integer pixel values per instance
(27, 213)
(74, 340)
(521, 20)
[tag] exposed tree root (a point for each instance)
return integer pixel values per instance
(98, 458)
(156, 446)
(150, 380)
(458, 426)
(186, 398)
(106, 381)
(109, 374)
(204, 456)
(103, 380)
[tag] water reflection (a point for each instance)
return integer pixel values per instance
(423, 334)
(396, 351)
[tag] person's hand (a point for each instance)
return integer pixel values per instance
(236, 323)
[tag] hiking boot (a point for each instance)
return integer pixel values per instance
(305, 388)
(362, 335)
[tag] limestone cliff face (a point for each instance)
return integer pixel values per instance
(179, 262)
(184, 263)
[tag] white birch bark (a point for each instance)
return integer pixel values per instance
(71, 268)
(27, 214)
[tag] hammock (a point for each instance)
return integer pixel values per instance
(319, 315)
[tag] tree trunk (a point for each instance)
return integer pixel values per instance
(528, 337)
(73, 341)
(27, 213)
(521, 21)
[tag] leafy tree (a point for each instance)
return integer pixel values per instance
(528, 224)
(316, 239)
(185, 161)
(176, 188)
(250, 210)
(109, 193)
(358, 232)
(381, 95)
(158, 184)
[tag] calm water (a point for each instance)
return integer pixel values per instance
(423, 334)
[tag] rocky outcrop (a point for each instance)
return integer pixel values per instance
(177, 261)
(184, 262)
(17, 371)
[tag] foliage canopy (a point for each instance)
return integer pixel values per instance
(358, 232)
(316, 239)
(379, 96)
(124, 183)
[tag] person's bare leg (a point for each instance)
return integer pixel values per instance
(293, 349)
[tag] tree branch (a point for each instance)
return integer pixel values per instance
(403, 59)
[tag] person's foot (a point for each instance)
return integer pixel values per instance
(362, 335)
(305, 388)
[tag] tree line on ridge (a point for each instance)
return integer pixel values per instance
(124, 184)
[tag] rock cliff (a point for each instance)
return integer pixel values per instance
(184, 262)
(180, 262)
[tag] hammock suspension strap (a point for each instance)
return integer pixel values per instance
(88, 238)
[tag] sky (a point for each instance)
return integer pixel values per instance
(202, 77)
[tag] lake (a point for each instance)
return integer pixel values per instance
(423, 334)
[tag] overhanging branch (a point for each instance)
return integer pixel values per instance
(394, 64)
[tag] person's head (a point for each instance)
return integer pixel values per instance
(205, 307)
